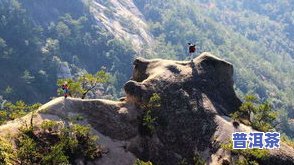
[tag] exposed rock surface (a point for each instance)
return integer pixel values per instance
(205, 78)
(196, 97)
(123, 19)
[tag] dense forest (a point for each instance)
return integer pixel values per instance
(254, 36)
(34, 54)
(38, 46)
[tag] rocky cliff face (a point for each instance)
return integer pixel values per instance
(195, 99)
(194, 95)
(121, 18)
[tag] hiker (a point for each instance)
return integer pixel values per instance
(192, 49)
(65, 89)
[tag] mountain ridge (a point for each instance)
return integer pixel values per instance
(191, 119)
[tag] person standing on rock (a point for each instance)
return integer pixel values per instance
(65, 89)
(192, 49)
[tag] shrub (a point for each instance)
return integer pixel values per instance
(140, 162)
(62, 147)
(7, 155)
(50, 126)
(56, 155)
(288, 141)
(250, 155)
(12, 111)
(198, 160)
(149, 120)
(27, 151)
(86, 143)
(3, 116)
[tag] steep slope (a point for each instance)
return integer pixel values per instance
(120, 18)
(45, 40)
(123, 20)
(195, 98)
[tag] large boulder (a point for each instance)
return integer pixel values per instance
(205, 75)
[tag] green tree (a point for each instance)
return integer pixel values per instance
(51, 47)
(27, 77)
(259, 115)
(82, 85)
(62, 30)
(246, 109)
(264, 117)
(149, 119)
(8, 90)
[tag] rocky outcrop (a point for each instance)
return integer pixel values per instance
(205, 78)
(196, 97)
(192, 121)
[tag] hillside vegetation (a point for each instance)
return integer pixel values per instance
(34, 54)
(41, 41)
(254, 36)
